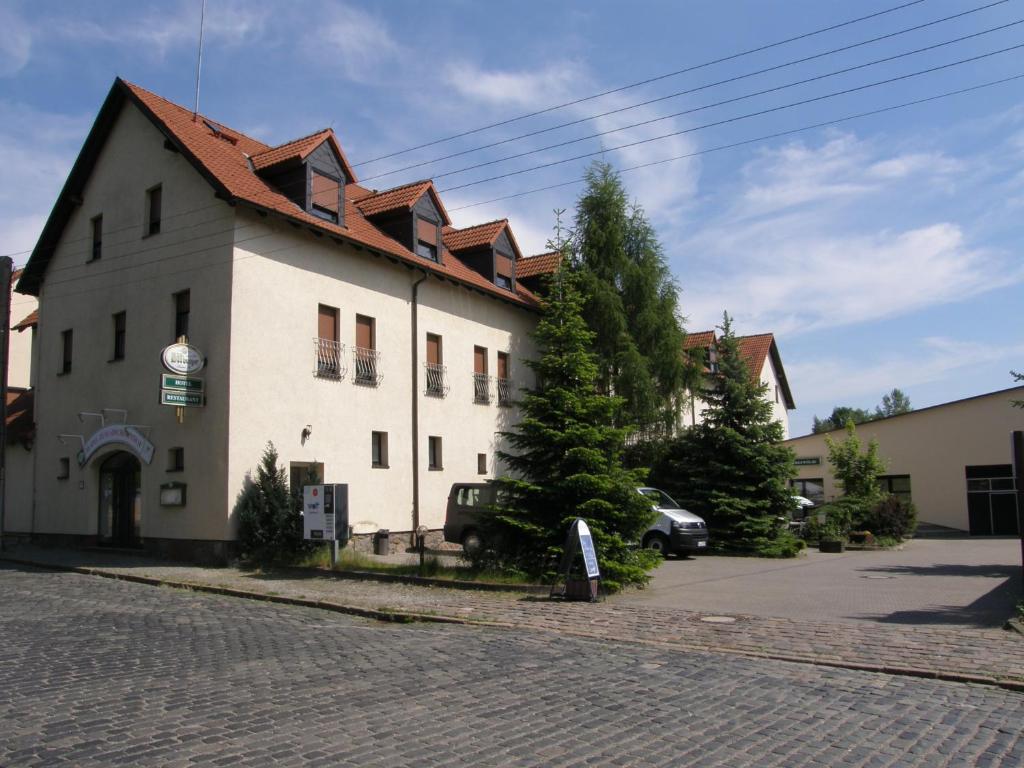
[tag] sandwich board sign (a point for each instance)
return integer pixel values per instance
(579, 542)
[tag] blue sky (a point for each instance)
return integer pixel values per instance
(882, 252)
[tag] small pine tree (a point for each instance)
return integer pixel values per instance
(856, 471)
(269, 522)
(732, 469)
(567, 458)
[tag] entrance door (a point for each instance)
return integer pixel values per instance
(991, 500)
(120, 500)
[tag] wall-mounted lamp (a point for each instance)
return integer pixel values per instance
(100, 416)
(306, 432)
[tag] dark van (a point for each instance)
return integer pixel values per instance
(462, 518)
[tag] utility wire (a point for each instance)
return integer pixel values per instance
(745, 142)
(737, 118)
(649, 80)
(791, 63)
(723, 102)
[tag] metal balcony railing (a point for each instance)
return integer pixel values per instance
(481, 388)
(366, 367)
(437, 380)
(504, 391)
(329, 359)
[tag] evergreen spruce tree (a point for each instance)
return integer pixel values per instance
(630, 303)
(269, 523)
(732, 469)
(567, 458)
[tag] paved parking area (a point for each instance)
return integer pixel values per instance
(95, 672)
(955, 582)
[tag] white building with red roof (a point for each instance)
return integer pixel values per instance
(356, 329)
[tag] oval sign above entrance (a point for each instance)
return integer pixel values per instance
(182, 358)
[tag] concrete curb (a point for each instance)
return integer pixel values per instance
(1015, 625)
(401, 616)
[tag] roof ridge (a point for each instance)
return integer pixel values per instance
(483, 224)
(295, 141)
(541, 255)
(395, 189)
(199, 115)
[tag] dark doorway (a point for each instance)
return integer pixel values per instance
(991, 500)
(120, 500)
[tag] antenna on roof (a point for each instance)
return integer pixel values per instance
(199, 63)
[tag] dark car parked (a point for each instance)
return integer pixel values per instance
(462, 517)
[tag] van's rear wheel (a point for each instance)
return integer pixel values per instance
(472, 544)
(657, 542)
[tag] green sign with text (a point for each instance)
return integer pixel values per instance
(180, 383)
(182, 399)
(807, 461)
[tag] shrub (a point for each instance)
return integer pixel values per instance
(892, 516)
(269, 520)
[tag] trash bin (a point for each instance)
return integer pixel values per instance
(382, 544)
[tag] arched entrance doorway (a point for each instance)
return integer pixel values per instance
(120, 500)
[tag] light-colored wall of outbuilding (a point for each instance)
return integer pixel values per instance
(933, 446)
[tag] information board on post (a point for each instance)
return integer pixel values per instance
(325, 512)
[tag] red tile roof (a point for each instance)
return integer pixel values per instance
(541, 264)
(20, 424)
(699, 340)
(473, 237)
(225, 165)
(754, 351)
(28, 322)
(399, 198)
(298, 149)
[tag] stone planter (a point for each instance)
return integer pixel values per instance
(831, 546)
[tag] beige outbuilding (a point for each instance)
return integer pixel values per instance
(954, 461)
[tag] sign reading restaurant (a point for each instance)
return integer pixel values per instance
(120, 434)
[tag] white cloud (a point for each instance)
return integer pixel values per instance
(357, 41)
(522, 89)
(917, 362)
(15, 42)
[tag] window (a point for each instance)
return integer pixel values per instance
(481, 381)
(898, 485)
(503, 282)
(175, 459)
(503, 271)
(182, 306)
(776, 393)
(64, 468)
(426, 250)
(302, 473)
(812, 489)
(434, 452)
(329, 360)
(97, 238)
(325, 195)
(991, 500)
(66, 338)
(120, 320)
(366, 357)
(154, 202)
(481, 463)
(436, 384)
(379, 450)
(504, 385)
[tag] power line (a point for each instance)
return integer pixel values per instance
(845, 70)
(735, 119)
(791, 63)
(745, 142)
(649, 80)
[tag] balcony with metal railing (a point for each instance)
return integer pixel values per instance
(481, 388)
(504, 391)
(329, 359)
(436, 380)
(366, 367)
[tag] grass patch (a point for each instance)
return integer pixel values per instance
(350, 560)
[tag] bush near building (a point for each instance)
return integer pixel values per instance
(269, 517)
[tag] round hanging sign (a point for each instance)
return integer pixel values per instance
(182, 358)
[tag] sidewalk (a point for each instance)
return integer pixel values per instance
(990, 656)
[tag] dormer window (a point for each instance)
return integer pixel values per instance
(503, 271)
(426, 250)
(325, 195)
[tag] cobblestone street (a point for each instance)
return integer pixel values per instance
(101, 672)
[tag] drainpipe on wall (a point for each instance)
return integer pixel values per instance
(415, 412)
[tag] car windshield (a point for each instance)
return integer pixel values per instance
(660, 499)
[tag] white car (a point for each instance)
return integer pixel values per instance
(676, 530)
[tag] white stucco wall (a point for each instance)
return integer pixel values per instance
(19, 360)
(137, 275)
(933, 446)
(281, 276)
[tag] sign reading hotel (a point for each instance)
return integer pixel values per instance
(807, 461)
(177, 388)
(120, 434)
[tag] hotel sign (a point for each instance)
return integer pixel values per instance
(124, 435)
(180, 383)
(807, 461)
